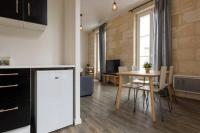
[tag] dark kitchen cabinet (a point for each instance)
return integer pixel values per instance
(12, 9)
(35, 11)
(14, 99)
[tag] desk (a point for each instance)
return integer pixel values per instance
(89, 71)
(113, 78)
(151, 77)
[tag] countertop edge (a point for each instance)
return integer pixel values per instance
(54, 66)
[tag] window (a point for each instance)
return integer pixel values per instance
(96, 55)
(144, 38)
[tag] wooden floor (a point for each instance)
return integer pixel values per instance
(98, 115)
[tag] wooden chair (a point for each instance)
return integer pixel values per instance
(140, 81)
(127, 83)
(157, 90)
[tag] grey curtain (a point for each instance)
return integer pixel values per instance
(102, 41)
(163, 34)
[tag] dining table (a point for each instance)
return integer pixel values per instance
(151, 76)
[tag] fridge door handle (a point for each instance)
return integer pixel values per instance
(56, 77)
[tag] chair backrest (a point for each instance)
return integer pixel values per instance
(171, 72)
(135, 68)
(163, 75)
(124, 69)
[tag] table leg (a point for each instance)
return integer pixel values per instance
(107, 77)
(115, 81)
(152, 99)
(119, 93)
(170, 92)
(104, 79)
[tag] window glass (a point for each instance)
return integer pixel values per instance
(144, 39)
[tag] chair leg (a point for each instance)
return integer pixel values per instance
(144, 97)
(147, 101)
(161, 109)
(135, 99)
(169, 104)
(174, 94)
(129, 93)
(169, 99)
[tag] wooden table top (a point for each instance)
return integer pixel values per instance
(140, 73)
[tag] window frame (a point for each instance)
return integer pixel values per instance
(138, 16)
(96, 54)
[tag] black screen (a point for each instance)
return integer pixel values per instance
(112, 66)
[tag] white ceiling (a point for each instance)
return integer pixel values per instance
(97, 12)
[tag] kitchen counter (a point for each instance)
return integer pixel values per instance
(45, 66)
(31, 90)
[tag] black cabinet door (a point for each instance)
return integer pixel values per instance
(14, 99)
(35, 11)
(11, 9)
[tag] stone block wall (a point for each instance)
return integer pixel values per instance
(186, 36)
(120, 39)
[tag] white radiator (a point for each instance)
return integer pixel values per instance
(185, 83)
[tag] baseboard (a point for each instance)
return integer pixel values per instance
(77, 121)
(188, 95)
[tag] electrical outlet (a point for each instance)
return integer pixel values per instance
(4, 61)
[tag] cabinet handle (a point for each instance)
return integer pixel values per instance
(56, 77)
(8, 110)
(17, 6)
(29, 9)
(8, 86)
(10, 74)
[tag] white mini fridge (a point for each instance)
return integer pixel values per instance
(54, 100)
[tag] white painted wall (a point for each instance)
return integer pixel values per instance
(69, 34)
(29, 47)
(84, 49)
(72, 47)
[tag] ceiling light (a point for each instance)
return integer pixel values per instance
(114, 6)
(81, 25)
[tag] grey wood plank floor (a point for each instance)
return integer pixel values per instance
(98, 115)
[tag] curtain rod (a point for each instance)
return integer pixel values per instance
(140, 6)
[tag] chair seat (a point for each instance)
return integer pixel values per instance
(131, 85)
(138, 81)
(144, 88)
(147, 88)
